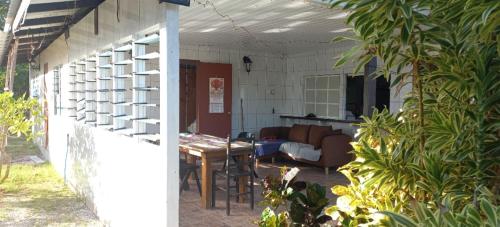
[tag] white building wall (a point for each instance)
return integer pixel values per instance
(122, 178)
(275, 82)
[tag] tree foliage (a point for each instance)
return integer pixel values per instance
(439, 157)
(17, 117)
(21, 80)
(4, 8)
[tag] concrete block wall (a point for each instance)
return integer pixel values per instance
(275, 85)
(262, 90)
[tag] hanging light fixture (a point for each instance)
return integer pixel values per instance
(248, 63)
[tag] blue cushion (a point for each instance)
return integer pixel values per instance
(267, 147)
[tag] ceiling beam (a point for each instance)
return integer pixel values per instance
(38, 15)
(44, 7)
(37, 38)
(42, 26)
(49, 33)
(45, 20)
(39, 30)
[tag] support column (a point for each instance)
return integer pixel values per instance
(169, 108)
(369, 88)
(11, 67)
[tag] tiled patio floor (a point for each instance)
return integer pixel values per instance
(191, 214)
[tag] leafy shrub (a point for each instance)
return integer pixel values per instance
(17, 117)
(436, 163)
(302, 209)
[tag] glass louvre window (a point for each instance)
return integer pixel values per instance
(122, 95)
(56, 83)
(117, 89)
(72, 91)
(322, 95)
(57, 80)
(80, 90)
(90, 91)
(104, 86)
(145, 89)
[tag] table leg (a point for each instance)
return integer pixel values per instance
(243, 181)
(191, 159)
(206, 183)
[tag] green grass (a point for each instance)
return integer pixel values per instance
(36, 180)
(19, 147)
(39, 191)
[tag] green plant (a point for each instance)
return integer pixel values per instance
(21, 85)
(17, 117)
(302, 209)
(442, 150)
(469, 216)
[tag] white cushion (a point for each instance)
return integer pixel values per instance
(301, 151)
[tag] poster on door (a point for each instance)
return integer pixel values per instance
(216, 95)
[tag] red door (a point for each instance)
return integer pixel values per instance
(213, 97)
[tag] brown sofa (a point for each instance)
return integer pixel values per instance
(335, 146)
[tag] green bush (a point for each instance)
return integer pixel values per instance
(298, 203)
(436, 161)
(17, 117)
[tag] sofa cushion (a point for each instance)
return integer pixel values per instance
(317, 133)
(301, 151)
(299, 133)
(271, 133)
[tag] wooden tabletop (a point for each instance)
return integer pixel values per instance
(208, 145)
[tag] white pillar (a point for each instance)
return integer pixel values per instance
(169, 108)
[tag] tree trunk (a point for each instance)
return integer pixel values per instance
(4, 157)
(418, 84)
(11, 67)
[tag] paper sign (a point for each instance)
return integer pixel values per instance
(216, 95)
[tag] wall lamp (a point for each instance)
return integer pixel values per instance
(248, 63)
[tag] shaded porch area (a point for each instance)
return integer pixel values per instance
(191, 214)
(290, 76)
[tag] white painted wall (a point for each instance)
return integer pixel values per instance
(123, 180)
(267, 74)
(271, 73)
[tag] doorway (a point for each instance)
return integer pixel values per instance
(187, 97)
(205, 100)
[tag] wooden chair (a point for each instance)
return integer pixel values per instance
(235, 169)
(185, 170)
(245, 137)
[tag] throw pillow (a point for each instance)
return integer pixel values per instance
(299, 133)
(317, 133)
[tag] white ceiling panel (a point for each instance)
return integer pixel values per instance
(281, 26)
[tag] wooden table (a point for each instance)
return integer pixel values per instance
(208, 149)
